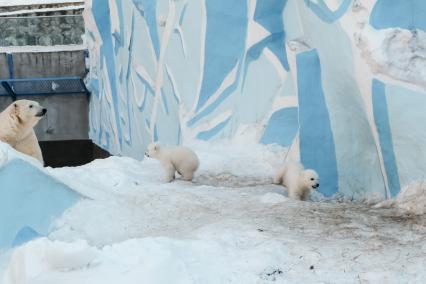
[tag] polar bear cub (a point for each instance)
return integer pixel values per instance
(17, 123)
(298, 180)
(174, 159)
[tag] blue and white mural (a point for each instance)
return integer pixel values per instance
(342, 83)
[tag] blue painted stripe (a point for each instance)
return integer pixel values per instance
(225, 94)
(148, 10)
(24, 235)
(164, 100)
(145, 82)
(130, 48)
(93, 87)
(119, 36)
(128, 71)
(381, 118)
(182, 14)
(282, 127)
(210, 108)
(317, 148)
(173, 88)
(145, 98)
(102, 18)
(320, 8)
(179, 136)
(405, 14)
(224, 44)
(269, 14)
(155, 133)
(207, 135)
(10, 65)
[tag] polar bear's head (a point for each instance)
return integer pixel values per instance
(311, 179)
(28, 112)
(153, 150)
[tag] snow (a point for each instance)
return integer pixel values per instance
(31, 11)
(7, 154)
(47, 255)
(396, 53)
(39, 48)
(231, 225)
(411, 200)
(6, 3)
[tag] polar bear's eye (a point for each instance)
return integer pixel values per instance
(312, 178)
(31, 106)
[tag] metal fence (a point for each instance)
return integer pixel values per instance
(42, 86)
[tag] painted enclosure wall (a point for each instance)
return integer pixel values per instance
(339, 82)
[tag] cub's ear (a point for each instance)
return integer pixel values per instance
(157, 146)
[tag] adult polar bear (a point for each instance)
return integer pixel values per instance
(17, 123)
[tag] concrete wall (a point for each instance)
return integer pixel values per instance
(43, 64)
(44, 31)
(341, 82)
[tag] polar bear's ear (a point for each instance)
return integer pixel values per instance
(16, 112)
(15, 109)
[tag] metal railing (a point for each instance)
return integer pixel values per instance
(42, 87)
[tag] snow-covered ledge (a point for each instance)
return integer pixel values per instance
(30, 199)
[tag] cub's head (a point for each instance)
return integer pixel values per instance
(28, 112)
(311, 179)
(153, 150)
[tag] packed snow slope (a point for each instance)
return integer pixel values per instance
(229, 226)
(25, 185)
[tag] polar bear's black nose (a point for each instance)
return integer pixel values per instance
(41, 113)
(317, 185)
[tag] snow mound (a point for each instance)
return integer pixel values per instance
(223, 164)
(236, 164)
(155, 260)
(43, 255)
(411, 200)
(7, 154)
(136, 226)
(273, 198)
(397, 53)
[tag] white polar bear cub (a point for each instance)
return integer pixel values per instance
(16, 127)
(299, 182)
(174, 159)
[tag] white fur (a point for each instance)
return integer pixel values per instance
(299, 182)
(174, 159)
(17, 123)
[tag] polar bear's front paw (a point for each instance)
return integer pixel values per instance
(188, 177)
(277, 180)
(169, 178)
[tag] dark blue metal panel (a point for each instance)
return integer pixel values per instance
(42, 86)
